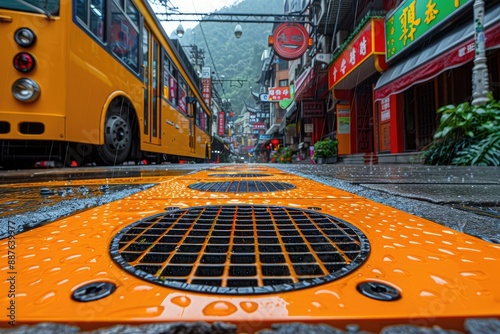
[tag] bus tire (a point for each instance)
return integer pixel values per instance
(117, 135)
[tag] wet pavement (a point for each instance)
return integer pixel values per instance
(34, 197)
(440, 194)
(465, 198)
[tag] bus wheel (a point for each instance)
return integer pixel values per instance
(117, 138)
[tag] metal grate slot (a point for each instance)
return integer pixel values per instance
(240, 249)
(242, 186)
(240, 175)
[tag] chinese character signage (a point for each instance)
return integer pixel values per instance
(206, 90)
(258, 125)
(385, 110)
(221, 123)
(205, 72)
(276, 94)
(368, 42)
(413, 19)
(313, 109)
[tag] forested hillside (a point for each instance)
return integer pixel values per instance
(235, 58)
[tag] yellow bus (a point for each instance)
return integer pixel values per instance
(96, 79)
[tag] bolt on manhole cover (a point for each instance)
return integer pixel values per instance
(240, 249)
(242, 186)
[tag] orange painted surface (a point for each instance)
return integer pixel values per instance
(444, 276)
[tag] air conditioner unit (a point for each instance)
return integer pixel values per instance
(340, 37)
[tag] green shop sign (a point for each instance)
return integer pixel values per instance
(413, 19)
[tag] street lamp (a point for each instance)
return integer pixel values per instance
(238, 31)
(180, 31)
(480, 83)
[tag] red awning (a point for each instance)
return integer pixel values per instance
(453, 50)
(303, 81)
(314, 85)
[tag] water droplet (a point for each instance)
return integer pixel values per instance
(401, 271)
(181, 301)
(424, 293)
(47, 298)
(439, 280)
(72, 257)
(484, 293)
(220, 308)
(249, 307)
(446, 251)
(477, 275)
(388, 258)
(66, 280)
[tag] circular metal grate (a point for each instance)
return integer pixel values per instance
(241, 175)
(240, 249)
(242, 186)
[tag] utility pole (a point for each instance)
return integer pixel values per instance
(197, 57)
(480, 84)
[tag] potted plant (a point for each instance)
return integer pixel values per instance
(286, 154)
(325, 151)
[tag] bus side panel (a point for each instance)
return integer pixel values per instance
(175, 126)
(94, 75)
(49, 52)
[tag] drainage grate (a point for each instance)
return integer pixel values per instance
(242, 186)
(241, 175)
(247, 249)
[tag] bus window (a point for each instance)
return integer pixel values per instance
(132, 13)
(169, 80)
(97, 11)
(91, 14)
(201, 118)
(33, 6)
(182, 95)
(124, 38)
(145, 63)
(82, 10)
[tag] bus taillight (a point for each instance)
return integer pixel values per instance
(26, 90)
(25, 37)
(24, 62)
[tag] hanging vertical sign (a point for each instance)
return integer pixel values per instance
(221, 123)
(206, 85)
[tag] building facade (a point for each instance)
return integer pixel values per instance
(378, 70)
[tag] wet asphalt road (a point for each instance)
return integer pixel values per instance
(463, 198)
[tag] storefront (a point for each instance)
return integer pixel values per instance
(435, 71)
(351, 78)
(311, 95)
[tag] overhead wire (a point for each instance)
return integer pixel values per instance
(209, 51)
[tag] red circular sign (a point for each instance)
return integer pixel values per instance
(290, 40)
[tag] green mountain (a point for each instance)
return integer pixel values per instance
(236, 61)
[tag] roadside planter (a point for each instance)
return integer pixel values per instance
(325, 151)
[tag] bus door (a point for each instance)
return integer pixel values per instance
(152, 100)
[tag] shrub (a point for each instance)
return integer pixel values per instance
(325, 148)
(466, 135)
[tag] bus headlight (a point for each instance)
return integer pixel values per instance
(25, 37)
(26, 90)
